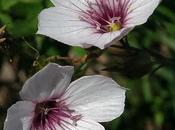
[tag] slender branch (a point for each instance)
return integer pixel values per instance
(34, 49)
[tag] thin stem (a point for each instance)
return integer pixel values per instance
(28, 44)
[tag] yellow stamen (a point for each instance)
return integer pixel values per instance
(114, 27)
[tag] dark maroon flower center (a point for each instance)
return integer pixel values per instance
(51, 113)
(106, 15)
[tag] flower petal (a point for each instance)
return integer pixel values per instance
(19, 116)
(72, 4)
(49, 82)
(82, 124)
(96, 97)
(140, 11)
(86, 124)
(64, 25)
(107, 39)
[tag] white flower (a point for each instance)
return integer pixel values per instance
(97, 23)
(50, 103)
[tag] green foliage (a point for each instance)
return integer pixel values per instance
(20, 16)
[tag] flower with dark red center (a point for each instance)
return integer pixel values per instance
(49, 113)
(50, 102)
(97, 23)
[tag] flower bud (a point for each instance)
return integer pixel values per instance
(131, 62)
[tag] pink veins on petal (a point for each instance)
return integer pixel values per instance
(48, 114)
(106, 15)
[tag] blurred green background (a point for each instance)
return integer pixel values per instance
(150, 103)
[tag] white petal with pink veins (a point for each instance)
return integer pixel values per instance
(140, 11)
(49, 82)
(96, 97)
(19, 116)
(64, 25)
